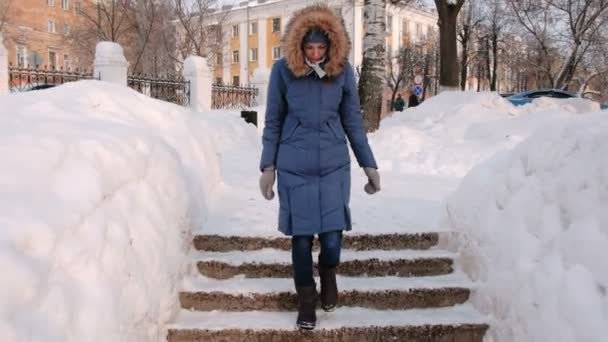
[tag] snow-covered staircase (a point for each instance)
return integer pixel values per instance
(393, 287)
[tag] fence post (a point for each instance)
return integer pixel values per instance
(3, 68)
(197, 72)
(110, 63)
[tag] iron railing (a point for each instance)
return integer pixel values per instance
(169, 88)
(26, 78)
(225, 96)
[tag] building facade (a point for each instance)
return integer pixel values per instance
(253, 30)
(36, 33)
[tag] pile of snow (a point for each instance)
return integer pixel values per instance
(535, 230)
(448, 134)
(99, 190)
(571, 105)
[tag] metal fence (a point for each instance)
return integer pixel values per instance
(225, 96)
(168, 88)
(30, 78)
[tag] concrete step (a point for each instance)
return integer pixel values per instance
(218, 243)
(267, 294)
(273, 263)
(460, 323)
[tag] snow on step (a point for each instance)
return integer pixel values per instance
(343, 317)
(270, 255)
(241, 285)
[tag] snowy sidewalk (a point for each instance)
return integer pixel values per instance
(406, 204)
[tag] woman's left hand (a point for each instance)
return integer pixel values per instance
(373, 184)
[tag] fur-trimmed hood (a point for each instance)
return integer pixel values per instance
(302, 21)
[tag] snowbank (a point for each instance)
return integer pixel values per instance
(99, 190)
(448, 134)
(536, 233)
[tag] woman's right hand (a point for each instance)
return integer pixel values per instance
(267, 181)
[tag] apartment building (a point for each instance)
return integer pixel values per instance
(36, 33)
(253, 30)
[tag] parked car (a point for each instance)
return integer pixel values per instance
(520, 99)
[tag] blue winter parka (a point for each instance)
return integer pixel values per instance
(308, 120)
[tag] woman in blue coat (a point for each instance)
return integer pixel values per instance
(312, 108)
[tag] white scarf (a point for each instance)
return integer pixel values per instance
(316, 67)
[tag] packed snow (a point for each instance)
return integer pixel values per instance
(100, 188)
(536, 234)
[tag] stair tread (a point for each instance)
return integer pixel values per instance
(273, 256)
(344, 317)
(241, 285)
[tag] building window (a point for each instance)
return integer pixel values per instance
(218, 59)
(66, 62)
(52, 60)
(218, 80)
(419, 31)
(235, 56)
(50, 2)
(389, 24)
(338, 11)
(253, 55)
(276, 25)
(235, 80)
(65, 4)
(66, 29)
(235, 31)
(51, 27)
(253, 28)
(21, 56)
(276, 52)
(389, 51)
(78, 7)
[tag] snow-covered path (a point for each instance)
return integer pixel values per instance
(408, 203)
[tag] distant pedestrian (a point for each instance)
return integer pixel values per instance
(413, 100)
(399, 104)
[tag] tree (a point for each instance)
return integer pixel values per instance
(558, 25)
(372, 67)
(448, 14)
(470, 18)
(495, 24)
(201, 27)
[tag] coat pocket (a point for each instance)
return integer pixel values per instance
(337, 132)
(289, 128)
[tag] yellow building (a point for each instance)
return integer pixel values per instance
(253, 30)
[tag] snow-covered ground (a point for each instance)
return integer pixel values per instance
(102, 188)
(535, 226)
(99, 190)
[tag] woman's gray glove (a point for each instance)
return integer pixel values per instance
(373, 184)
(266, 182)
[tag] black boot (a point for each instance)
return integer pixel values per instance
(307, 303)
(329, 288)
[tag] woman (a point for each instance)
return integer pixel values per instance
(312, 107)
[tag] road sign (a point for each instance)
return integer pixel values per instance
(418, 79)
(418, 90)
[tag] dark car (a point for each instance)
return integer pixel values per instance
(528, 96)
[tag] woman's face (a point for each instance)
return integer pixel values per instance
(315, 51)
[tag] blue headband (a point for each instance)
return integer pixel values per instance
(315, 35)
